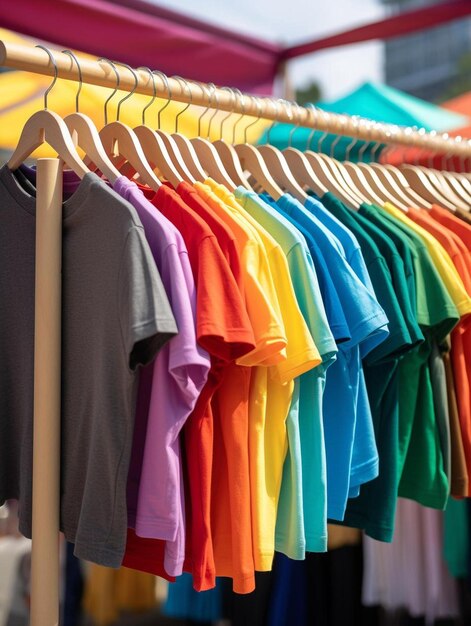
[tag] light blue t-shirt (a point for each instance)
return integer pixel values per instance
(354, 255)
(345, 413)
(303, 485)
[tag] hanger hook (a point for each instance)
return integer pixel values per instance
(342, 120)
(377, 145)
(276, 104)
(127, 96)
(54, 64)
(356, 125)
(461, 159)
(367, 124)
(186, 86)
(446, 154)
(205, 92)
(164, 79)
(295, 121)
(79, 70)
(233, 103)
(325, 134)
(154, 91)
(259, 109)
(242, 106)
(216, 109)
(315, 114)
(105, 106)
(389, 146)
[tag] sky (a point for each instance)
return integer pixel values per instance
(338, 71)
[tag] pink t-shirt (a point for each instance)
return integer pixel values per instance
(168, 390)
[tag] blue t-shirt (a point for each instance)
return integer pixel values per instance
(345, 413)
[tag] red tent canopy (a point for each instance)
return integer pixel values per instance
(140, 33)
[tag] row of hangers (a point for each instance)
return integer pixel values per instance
(153, 155)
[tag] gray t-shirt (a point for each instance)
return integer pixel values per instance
(115, 316)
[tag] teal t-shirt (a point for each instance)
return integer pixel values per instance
(306, 415)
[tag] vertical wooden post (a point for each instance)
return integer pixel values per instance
(47, 395)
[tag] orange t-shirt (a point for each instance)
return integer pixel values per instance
(458, 253)
(230, 487)
(232, 529)
(224, 330)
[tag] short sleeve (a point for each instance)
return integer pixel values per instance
(301, 352)
(223, 326)
(310, 301)
(145, 315)
(263, 309)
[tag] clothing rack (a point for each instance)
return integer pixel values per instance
(47, 367)
(32, 59)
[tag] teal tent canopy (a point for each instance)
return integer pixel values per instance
(375, 102)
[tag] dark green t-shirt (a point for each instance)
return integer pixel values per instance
(374, 508)
(421, 454)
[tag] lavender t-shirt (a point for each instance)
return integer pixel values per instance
(168, 391)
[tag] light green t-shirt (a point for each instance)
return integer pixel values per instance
(302, 503)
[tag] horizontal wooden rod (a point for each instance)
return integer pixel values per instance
(101, 72)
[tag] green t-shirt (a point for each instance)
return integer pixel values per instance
(374, 508)
(456, 537)
(421, 455)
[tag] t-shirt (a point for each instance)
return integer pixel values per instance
(231, 514)
(116, 316)
(374, 509)
(290, 532)
(267, 410)
(224, 330)
(459, 472)
(421, 457)
(363, 270)
(365, 320)
(311, 388)
(458, 254)
(168, 391)
(281, 398)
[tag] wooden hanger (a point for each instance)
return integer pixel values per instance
(328, 174)
(85, 135)
(421, 184)
(206, 153)
(188, 171)
(458, 188)
(280, 170)
(47, 127)
(154, 147)
(379, 179)
(226, 151)
(447, 185)
(179, 147)
(443, 187)
(251, 160)
(352, 175)
(415, 199)
(299, 165)
(120, 141)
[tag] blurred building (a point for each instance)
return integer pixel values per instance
(429, 64)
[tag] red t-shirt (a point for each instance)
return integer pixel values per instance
(230, 488)
(223, 329)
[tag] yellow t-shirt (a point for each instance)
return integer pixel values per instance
(265, 315)
(441, 260)
(268, 439)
